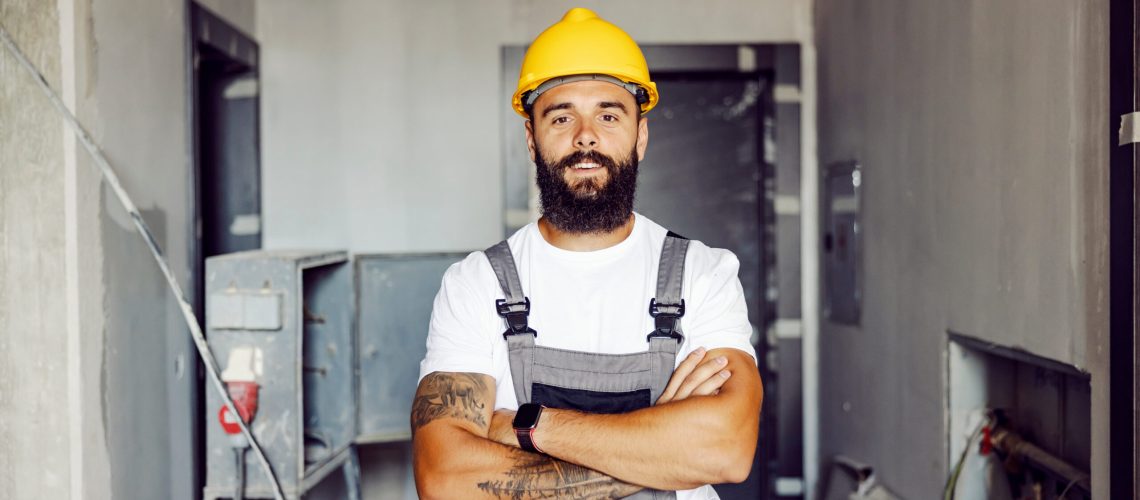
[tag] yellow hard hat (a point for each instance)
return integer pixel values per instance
(583, 45)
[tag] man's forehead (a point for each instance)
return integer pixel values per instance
(586, 93)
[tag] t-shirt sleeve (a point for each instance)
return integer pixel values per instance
(457, 338)
(718, 314)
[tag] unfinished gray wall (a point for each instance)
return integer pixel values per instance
(981, 127)
(134, 102)
(33, 335)
(97, 370)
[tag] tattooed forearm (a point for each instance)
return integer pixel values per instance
(455, 395)
(540, 476)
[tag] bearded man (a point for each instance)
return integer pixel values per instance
(625, 368)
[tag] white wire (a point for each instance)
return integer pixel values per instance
(952, 481)
(188, 315)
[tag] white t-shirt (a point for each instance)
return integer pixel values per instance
(583, 301)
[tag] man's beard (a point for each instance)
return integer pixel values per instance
(588, 206)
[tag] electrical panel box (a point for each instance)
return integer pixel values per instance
(282, 320)
(333, 346)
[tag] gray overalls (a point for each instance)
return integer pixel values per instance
(586, 381)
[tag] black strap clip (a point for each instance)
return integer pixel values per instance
(516, 317)
(665, 318)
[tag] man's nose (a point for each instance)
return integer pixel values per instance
(586, 138)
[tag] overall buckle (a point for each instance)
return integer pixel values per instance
(665, 322)
(516, 317)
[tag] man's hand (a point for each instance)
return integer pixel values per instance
(696, 376)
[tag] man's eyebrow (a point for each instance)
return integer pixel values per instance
(613, 104)
(556, 107)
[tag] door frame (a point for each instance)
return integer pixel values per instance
(203, 28)
(1124, 49)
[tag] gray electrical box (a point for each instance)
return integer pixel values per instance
(334, 346)
(284, 320)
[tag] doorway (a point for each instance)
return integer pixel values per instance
(224, 102)
(1124, 280)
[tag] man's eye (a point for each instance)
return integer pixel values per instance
(560, 120)
(609, 118)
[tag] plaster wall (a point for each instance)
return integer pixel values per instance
(97, 370)
(134, 97)
(33, 335)
(981, 128)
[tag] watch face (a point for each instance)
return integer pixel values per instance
(527, 416)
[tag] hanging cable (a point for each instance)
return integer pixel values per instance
(188, 315)
(952, 481)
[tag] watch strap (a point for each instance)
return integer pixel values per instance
(526, 440)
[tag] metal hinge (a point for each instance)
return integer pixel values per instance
(1129, 128)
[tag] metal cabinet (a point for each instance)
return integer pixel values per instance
(283, 319)
(333, 345)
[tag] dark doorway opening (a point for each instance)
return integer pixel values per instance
(1124, 282)
(226, 175)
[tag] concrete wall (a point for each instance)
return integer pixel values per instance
(97, 374)
(33, 333)
(381, 120)
(981, 127)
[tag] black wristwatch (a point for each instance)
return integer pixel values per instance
(526, 420)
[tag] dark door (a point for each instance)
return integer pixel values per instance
(227, 187)
(1124, 279)
(227, 146)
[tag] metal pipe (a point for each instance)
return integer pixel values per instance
(1010, 443)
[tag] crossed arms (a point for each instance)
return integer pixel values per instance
(702, 431)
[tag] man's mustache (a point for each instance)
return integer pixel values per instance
(577, 157)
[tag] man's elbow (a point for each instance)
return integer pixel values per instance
(736, 471)
(723, 462)
(433, 467)
(735, 457)
(432, 480)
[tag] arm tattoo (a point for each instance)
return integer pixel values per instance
(540, 476)
(451, 395)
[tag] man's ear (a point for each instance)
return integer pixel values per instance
(530, 138)
(642, 137)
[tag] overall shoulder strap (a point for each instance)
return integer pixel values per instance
(515, 307)
(668, 307)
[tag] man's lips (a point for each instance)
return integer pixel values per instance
(585, 166)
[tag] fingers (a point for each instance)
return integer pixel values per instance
(701, 373)
(712, 385)
(680, 374)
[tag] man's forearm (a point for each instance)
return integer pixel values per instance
(454, 459)
(540, 476)
(491, 470)
(678, 445)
